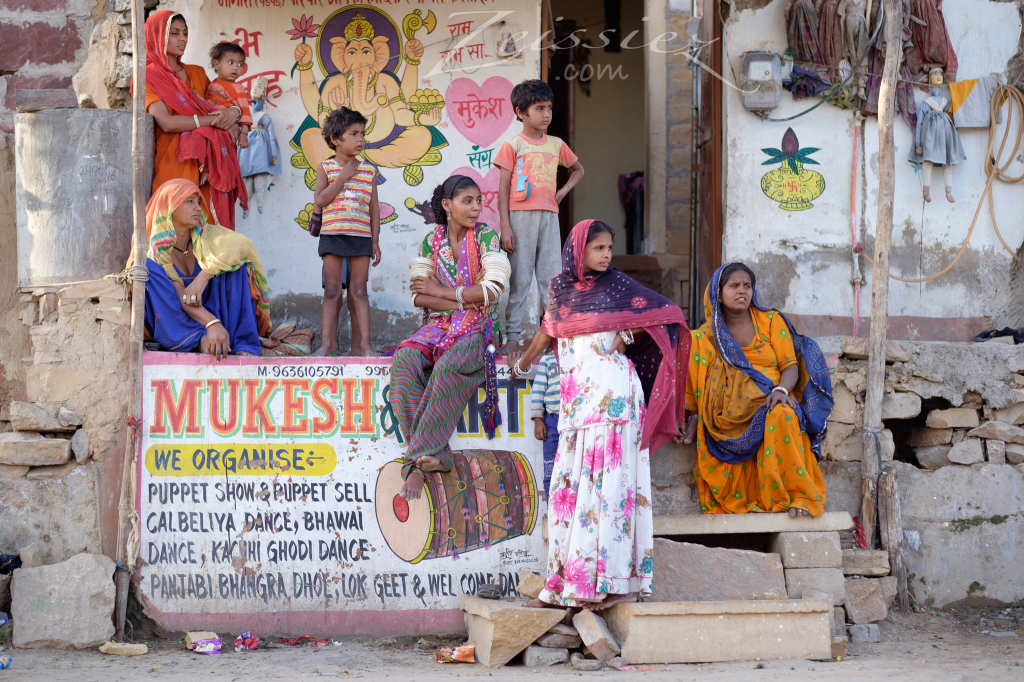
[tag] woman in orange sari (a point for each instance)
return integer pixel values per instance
(189, 134)
(757, 400)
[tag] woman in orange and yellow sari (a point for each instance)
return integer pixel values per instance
(757, 399)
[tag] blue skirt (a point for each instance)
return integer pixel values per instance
(226, 296)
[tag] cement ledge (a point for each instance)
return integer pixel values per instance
(721, 524)
(705, 608)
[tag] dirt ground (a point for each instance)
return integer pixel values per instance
(954, 646)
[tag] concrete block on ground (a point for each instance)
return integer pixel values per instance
(828, 580)
(595, 634)
(699, 632)
(864, 601)
(721, 524)
(1014, 453)
(901, 406)
(63, 606)
(967, 451)
(590, 665)
(1007, 433)
(542, 657)
(962, 527)
(32, 449)
(867, 562)
(995, 451)
(864, 634)
(924, 437)
(31, 417)
(856, 348)
(953, 418)
(839, 645)
(808, 550)
(555, 640)
(934, 456)
(530, 584)
(500, 630)
(690, 572)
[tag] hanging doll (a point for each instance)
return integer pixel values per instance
(935, 138)
(259, 163)
(853, 19)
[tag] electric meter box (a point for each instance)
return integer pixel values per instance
(761, 80)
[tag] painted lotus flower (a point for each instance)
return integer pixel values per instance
(790, 153)
(304, 28)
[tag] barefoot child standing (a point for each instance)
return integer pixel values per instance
(346, 192)
(528, 198)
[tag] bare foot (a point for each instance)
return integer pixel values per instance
(538, 604)
(794, 512)
(203, 177)
(949, 196)
(611, 600)
(363, 353)
(413, 487)
(245, 354)
(927, 194)
(430, 463)
(321, 352)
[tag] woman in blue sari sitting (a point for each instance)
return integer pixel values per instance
(207, 289)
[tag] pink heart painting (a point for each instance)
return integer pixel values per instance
(481, 113)
(488, 185)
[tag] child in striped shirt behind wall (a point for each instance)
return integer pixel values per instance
(545, 404)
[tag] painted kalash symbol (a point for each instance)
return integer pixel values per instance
(359, 50)
(793, 186)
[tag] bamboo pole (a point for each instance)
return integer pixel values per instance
(871, 459)
(138, 281)
(890, 524)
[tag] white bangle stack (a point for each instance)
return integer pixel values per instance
(781, 388)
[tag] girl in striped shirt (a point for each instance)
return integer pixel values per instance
(346, 192)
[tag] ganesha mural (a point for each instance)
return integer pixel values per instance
(360, 51)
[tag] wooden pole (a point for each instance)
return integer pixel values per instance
(871, 457)
(135, 336)
(890, 524)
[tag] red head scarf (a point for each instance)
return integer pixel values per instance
(588, 302)
(210, 146)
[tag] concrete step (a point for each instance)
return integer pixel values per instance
(709, 632)
(719, 524)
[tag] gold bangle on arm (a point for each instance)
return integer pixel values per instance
(304, 67)
(213, 322)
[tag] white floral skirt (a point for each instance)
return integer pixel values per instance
(600, 524)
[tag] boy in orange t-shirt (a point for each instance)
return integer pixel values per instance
(528, 198)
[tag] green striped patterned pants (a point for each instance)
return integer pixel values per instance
(428, 400)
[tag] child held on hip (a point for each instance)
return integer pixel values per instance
(346, 193)
(228, 62)
(528, 198)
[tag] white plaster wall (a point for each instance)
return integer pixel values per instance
(925, 237)
(290, 254)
